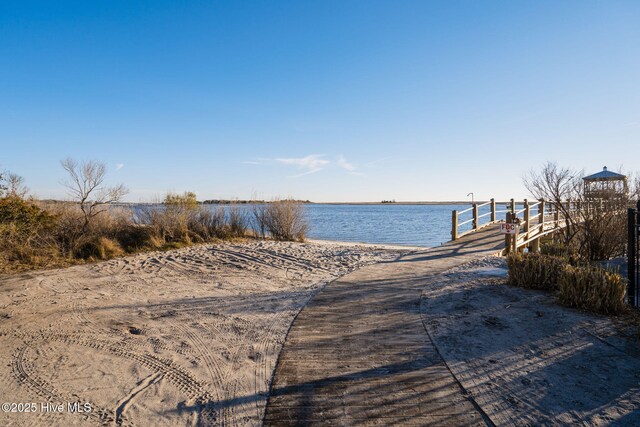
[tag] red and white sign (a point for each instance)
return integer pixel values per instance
(506, 228)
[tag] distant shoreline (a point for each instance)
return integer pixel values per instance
(246, 202)
(249, 202)
(398, 203)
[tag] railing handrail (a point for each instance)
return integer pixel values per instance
(465, 222)
(465, 211)
(535, 217)
(485, 214)
(475, 218)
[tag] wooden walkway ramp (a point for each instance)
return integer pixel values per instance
(358, 353)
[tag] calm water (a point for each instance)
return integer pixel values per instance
(410, 225)
(413, 225)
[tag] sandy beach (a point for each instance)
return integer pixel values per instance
(525, 360)
(182, 337)
(192, 337)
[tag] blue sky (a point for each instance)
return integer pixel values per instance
(320, 100)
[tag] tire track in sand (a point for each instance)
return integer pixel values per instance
(24, 372)
(213, 367)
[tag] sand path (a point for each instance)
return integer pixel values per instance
(438, 338)
(528, 361)
(184, 337)
(359, 354)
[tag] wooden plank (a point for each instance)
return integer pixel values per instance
(371, 362)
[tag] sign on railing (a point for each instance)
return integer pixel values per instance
(506, 228)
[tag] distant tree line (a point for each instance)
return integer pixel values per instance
(96, 225)
(244, 202)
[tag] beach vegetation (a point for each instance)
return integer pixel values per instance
(535, 271)
(592, 288)
(25, 234)
(594, 230)
(285, 220)
(575, 282)
(92, 226)
(238, 224)
(86, 187)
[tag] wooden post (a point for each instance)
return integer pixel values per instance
(556, 216)
(514, 237)
(526, 222)
(535, 245)
(454, 225)
(507, 237)
(493, 210)
(513, 208)
(475, 216)
(632, 253)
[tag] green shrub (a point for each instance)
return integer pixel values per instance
(593, 289)
(535, 271)
(23, 217)
(186, 200)
(25, 234)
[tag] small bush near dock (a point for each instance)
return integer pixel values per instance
(535, 271)
(555, 248)
(593, 289)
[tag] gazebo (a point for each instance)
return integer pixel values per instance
(605, 185)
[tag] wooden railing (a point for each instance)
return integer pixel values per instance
(548, 219)
(535, 220)
(476, 220)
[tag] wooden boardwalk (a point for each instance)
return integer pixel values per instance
(358, 353)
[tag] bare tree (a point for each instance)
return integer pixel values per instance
(558, 186)
(12, 185)
(15, 185)
(594, 228)
(634, 188)
(86, 186)
(3, 186)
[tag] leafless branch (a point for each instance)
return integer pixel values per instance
(85, 186)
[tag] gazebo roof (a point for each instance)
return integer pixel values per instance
(605, 175)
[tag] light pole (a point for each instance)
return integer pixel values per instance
(471, 194)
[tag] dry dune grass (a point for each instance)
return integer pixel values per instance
(37, 234)
(583, 286)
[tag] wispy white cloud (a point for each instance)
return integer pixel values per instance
(375, 163)
(119, 166)
(349, 167)
(310, 164)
